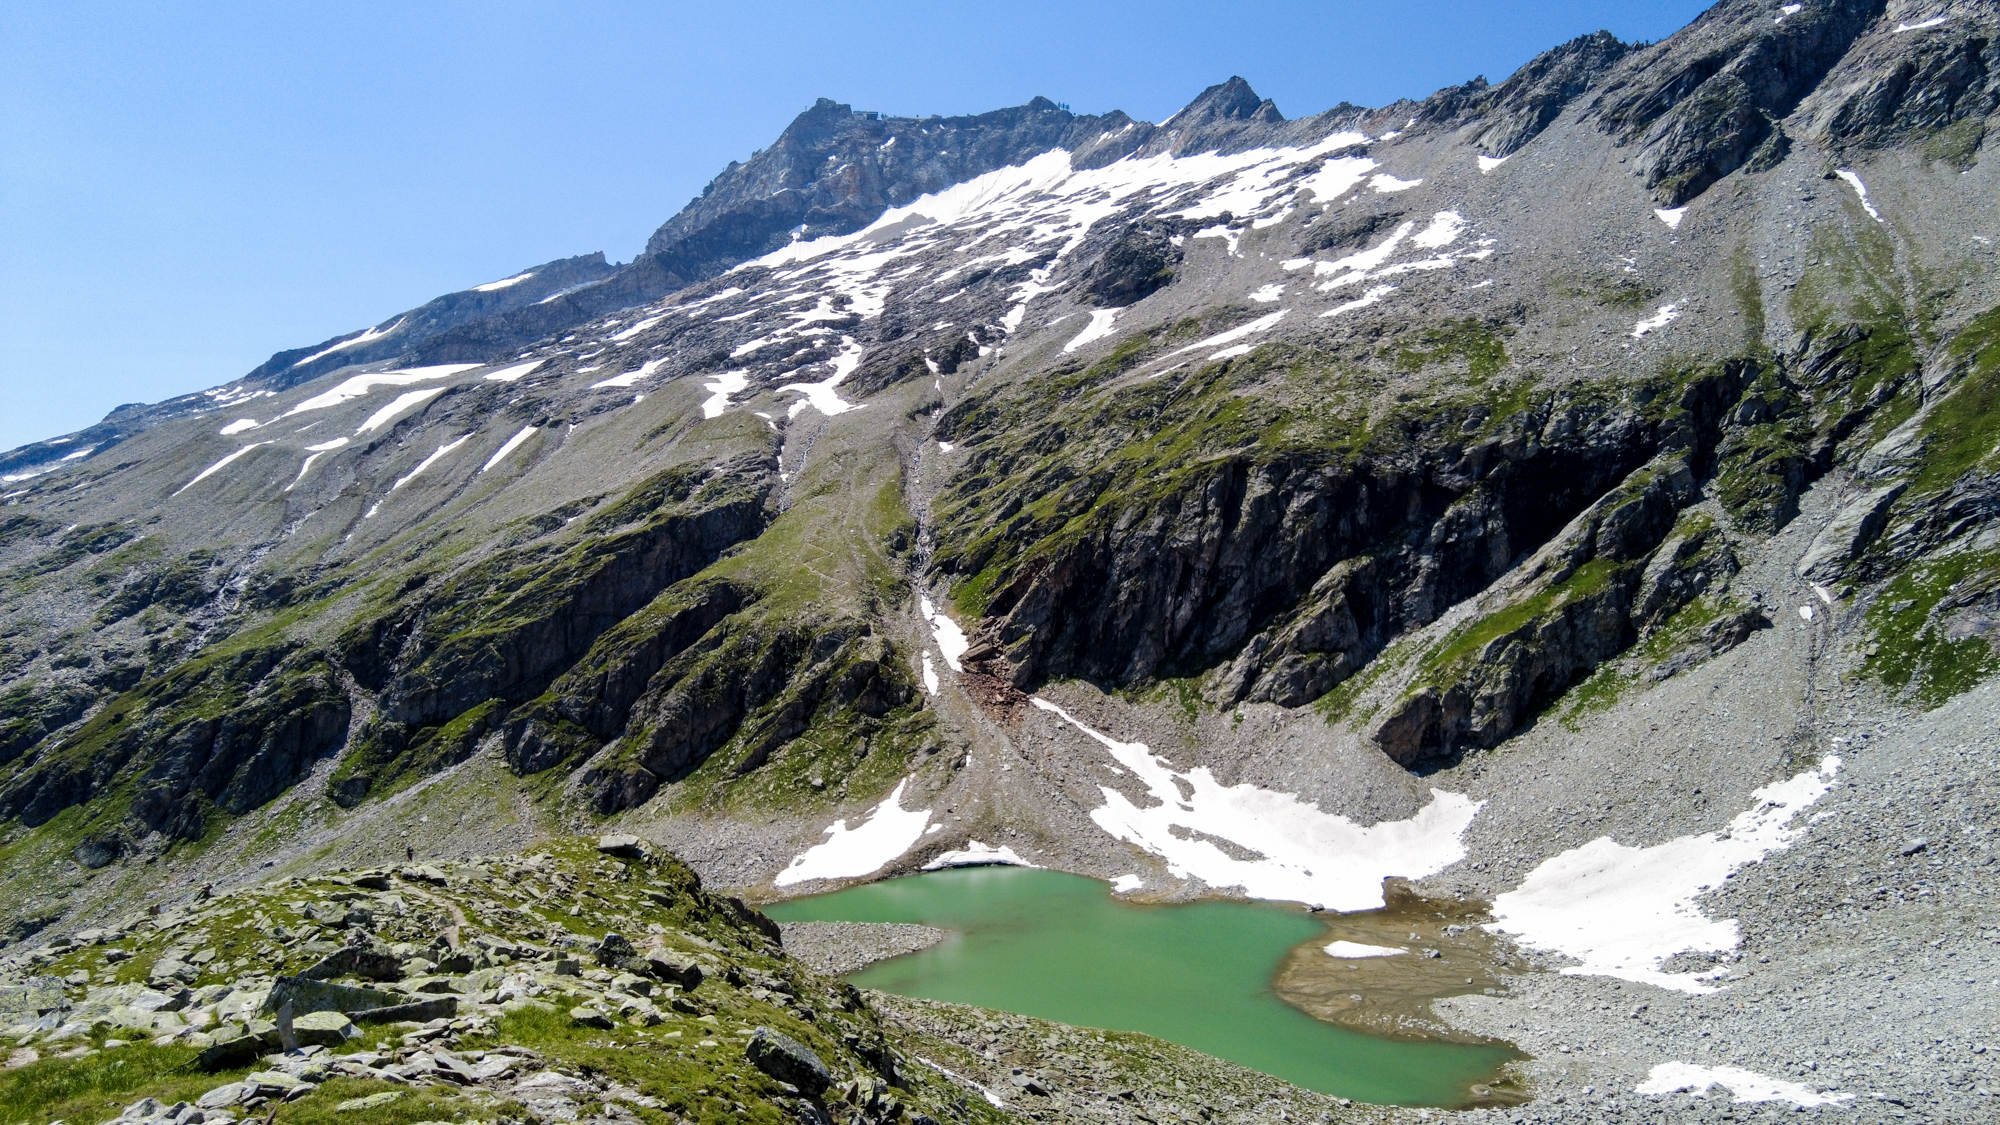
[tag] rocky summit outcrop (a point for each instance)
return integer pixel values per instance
(1614, 437)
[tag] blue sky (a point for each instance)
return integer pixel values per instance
(187, 188)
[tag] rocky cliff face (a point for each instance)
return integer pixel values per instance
(1345, 455)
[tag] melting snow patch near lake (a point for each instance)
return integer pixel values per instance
(1671, 216)
(1746, 1085)
(951, 639)
(976, 854)
(1098, 328)
(866, 848)
(1860, 190)
(1660, 319)
(217, 467)
(1349, 950)
(238, 427)
(513, 443)
(1301, 854)
(1623, 911)
(720, 388)
(1126, 884)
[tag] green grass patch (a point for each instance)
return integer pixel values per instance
(1911, 650)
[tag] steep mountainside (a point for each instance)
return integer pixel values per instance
(1500, 491)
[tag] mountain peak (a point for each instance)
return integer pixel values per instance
(1231, 101)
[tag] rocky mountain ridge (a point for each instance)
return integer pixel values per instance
(1062, 467)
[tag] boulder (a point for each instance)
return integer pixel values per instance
(327, 1029)
(677, 968)
(357, 961)
(615, 950)
(421, 1011)
(306, 995)
(788, 1060)
(624, 847)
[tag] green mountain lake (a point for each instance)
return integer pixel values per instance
(1063, 947)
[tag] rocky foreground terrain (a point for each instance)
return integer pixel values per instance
(1572, 501)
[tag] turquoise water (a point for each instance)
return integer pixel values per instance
(1062, 947)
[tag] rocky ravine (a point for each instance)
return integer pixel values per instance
(1554, 470)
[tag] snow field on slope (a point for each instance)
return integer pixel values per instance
(1622, 911)
(1304, 855)
(360, 385)
(951, 640)
(368, 336)
(512, 443)
(1746, 1085)
(848, 853)
(218, 466)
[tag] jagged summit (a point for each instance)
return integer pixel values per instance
(1233, 100)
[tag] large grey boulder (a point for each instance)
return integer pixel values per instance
(788, 1060)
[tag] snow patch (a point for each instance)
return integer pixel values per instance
(1934, 21)
(930, 676)
(1234, 334)
(821, 395)
(1387, 184)
(976, 854)
(361, 385)
(436, 455)
(1370, 297)
(1348, 950)
(1861, 189)
(1622, 911)
(1301, 853)
(1660, 319)
(368, 336)
(1127, 883)
(218, 466)
(1444, 230)
(1671, 216)
(514, 373)
(720, 388)
(1098, 328)
(1746, 1085)
(513, 443)
(866, 848)
(503, 283)
(238, 426)
(951, 640)
(403, 403)
(1267, 294)
(1488, 163)
(629, 378)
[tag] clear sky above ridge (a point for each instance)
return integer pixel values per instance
(187, 188)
